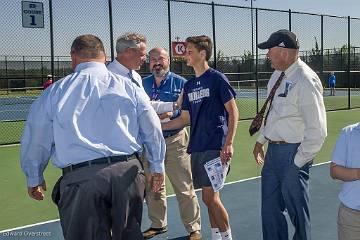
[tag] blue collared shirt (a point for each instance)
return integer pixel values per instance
(89, 114)
(168, 91)
(346, 153)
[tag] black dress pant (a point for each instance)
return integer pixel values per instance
(103, 202)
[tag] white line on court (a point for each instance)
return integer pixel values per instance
(172, 195)
(10, 145)
(252, 178)
(31, 225)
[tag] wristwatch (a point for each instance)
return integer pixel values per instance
(175, 106)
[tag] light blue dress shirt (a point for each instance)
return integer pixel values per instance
(89, 114)
(118, 68)
(347, 154)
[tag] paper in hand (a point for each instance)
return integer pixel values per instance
(216, 172)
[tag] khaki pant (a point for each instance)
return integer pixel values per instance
(348, 223)
(178, 170)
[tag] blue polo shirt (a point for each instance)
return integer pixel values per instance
(168, 91)
(204, 98)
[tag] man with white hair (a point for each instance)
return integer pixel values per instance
(131, 54)
(295, 129)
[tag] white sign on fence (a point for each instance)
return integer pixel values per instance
(32, 14)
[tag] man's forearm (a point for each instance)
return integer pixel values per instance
(343, 173)
(232, 126)
(176, 123)
(233, 113)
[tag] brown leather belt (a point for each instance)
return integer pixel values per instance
(278, 142)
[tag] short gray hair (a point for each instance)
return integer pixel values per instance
(129, 40)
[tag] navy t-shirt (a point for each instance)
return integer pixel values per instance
(204, 98)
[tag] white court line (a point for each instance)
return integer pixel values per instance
(252, 178)
(10, 145)
(172, 195)
(31, 225)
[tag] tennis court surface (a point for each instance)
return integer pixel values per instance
(242, 199)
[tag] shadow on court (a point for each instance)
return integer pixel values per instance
(242, 201)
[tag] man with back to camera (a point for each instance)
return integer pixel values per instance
(166, 86)
(295, 129)
(131, 54)
(92, 124)
(209, 106)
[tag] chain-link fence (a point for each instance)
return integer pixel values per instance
(28, 55)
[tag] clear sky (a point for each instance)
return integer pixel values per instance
(331, 7)
(306, 26)
(149, 17)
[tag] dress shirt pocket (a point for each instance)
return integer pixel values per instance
(280, 106)
(170, 96)
(285, 105)
(287, 87)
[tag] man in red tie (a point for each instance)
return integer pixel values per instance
(295, 129)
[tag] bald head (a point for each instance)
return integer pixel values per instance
(158, 50)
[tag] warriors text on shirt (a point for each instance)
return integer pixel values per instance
(198, 94)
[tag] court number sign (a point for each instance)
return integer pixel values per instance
(178, 49)
(32, 14)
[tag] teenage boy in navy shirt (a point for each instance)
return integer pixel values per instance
(209, 106)
(167, 86)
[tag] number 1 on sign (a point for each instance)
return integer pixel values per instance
(32, 20)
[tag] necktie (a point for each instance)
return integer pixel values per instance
(257, 121)
(132, 78)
